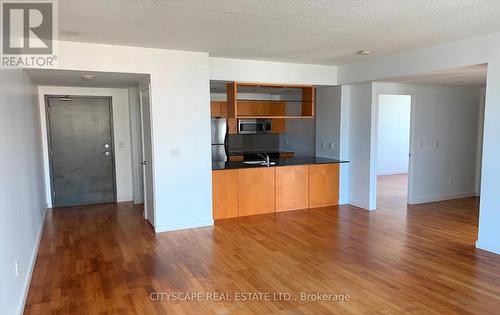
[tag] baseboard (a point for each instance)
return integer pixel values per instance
(392, 173)
(359, 204)
(492, 248)
(124, 199)
(29, 274)
(183, 226)
(416, 201)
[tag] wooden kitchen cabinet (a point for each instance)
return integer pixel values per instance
(292, 188)
(225, 194)
(256, 191)
(261, 108)
(246, 108)
(323, 185)
(215, 109)
(218, 109)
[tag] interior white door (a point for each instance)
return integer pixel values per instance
(147, 157)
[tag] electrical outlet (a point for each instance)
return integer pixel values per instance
(17, 268)
(330, 145)
(323, 145)
(437, 144)
(450, 180)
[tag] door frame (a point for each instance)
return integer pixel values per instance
(411, 149)
(49, 139)
(144, 177)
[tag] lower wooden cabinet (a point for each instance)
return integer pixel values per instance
(256, 191)
(292, 190)
(225, 194)
(251, 191)
(323, 185)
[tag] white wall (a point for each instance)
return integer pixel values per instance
(489, 216)
(121, 131)
(361, 142)
(445, 140)
(271, 72)
(22, 195)
(393, 134)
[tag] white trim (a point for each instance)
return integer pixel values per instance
(396, 172)
(27, 281)
(124, 199)
(183, 226)
(492, 248)
(441, 198)
(361, 205)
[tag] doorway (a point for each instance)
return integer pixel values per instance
(81, 153)
(393, 149)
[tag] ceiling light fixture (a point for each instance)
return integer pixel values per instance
(365, 52)
(88, 77)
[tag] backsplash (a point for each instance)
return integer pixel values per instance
(254, 143)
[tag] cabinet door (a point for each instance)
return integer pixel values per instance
(246, 108)
(278, 109)
(225, 194)
(323, 185)
(292, 188)
(256, 191)
(215, 109)
(263, 108)
(223, 109)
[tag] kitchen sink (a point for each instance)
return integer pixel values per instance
(262, 163)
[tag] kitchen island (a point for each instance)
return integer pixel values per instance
(241, 189)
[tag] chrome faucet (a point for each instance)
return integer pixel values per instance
(265, 156)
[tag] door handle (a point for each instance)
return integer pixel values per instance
(144, 163)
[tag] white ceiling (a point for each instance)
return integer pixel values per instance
(74, 78)
(302, 31)
(466, 76)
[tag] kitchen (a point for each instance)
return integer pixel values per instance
(263, 151)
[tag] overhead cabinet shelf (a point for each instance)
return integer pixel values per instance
(286, 102)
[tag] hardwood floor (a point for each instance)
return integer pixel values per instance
(416, 260)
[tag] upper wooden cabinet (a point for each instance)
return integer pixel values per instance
(299, 97)
(218, 109)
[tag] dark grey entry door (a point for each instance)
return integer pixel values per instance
(81, 151)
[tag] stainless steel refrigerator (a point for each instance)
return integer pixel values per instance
(219, 140)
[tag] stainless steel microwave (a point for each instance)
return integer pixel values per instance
(254, 126)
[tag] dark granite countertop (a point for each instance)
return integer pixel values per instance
(279, 162)
(246, 152)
